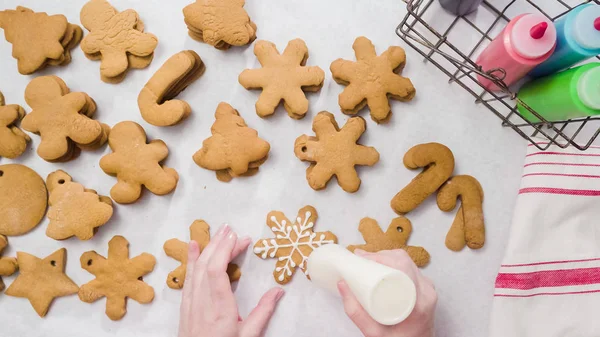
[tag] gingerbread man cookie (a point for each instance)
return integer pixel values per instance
(42, 280)
(156, 101)
(282, 78)
(220, 23)
(13, 141)
(39, 39)
(199, 232)
(117, 277)
(135, 163)
(74, 210)
(437, 162)
(62, 119)
(114, 35)
(468, 227)
(372, 80)
(395, 237)
(335, 151)
(8, 265)
(293, 243)
(234, 149)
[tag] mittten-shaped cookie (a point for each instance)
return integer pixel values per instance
(372, 79)
(437, 162)
(220, 23)
(395, 237)
(74, 210)
(335, 152)
(42, 280)
(293, 243)
(282, 78)
(135, 163)
(13, 141)
(199, 232)
(8, 265)
(234, 149)
(117, 277)
(468, 227)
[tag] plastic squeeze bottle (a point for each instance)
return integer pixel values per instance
(527, 40)
(569, 94)
(387, 294)
(460, 7)
(578, 39)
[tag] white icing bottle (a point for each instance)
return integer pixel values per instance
(387, 294)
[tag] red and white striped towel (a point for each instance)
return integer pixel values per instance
(549, 282)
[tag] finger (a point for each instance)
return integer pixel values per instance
(367, 325)
(241, 246)
(258, 319)
(213, 244)
(218, 280)
(188, 287)
(222, 255)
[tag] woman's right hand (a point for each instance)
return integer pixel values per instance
(420, 321)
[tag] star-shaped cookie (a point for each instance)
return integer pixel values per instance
(372, 79)
(42, 280)
(335, 152)
(13, 141)
(282, 78)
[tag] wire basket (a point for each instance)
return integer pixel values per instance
(454, 55)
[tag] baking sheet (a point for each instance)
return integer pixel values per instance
(440, 112)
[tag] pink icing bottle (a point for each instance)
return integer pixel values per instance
(527, 40)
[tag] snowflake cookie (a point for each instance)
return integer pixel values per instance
(293, 242)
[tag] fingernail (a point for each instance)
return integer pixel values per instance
(360, 252)
(224, 230)
(192, 246)
(279, 295)
(232, 236)
(246, 239)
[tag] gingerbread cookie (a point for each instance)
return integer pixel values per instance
(282, 78)
(8, 265)
(468, 227)
(62, 119)
(199, 232)
(39, 39)
(117, 277)
(395, 237)
(234, 149)
(220, 23)
(335, 152)
(293, 243)
(372, 80)
(42, 280)
(74, 210)
(13, 141)
(437, 162)
(113, 36)
(156, 101)
(23, 199)
(135, 163)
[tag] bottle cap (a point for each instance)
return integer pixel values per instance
(585, 27)
(588, 88)
(533, 36)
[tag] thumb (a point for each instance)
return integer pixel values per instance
(257, 321)
(367, 325)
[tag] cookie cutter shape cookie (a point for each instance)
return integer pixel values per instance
(74, 210)
(156, 101)
(177, 249)
(13, 141)
(220, 23)
(8, 265)
(468, 227)
(42, 280)
(61, 118)
(437, 162)
(135, 163)
(117, 277)
(283, 77)
(371, 80)
(113, 35)
(335, 151)
(234, 149)
(293, 243)
(395, 237)
(23, 199)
